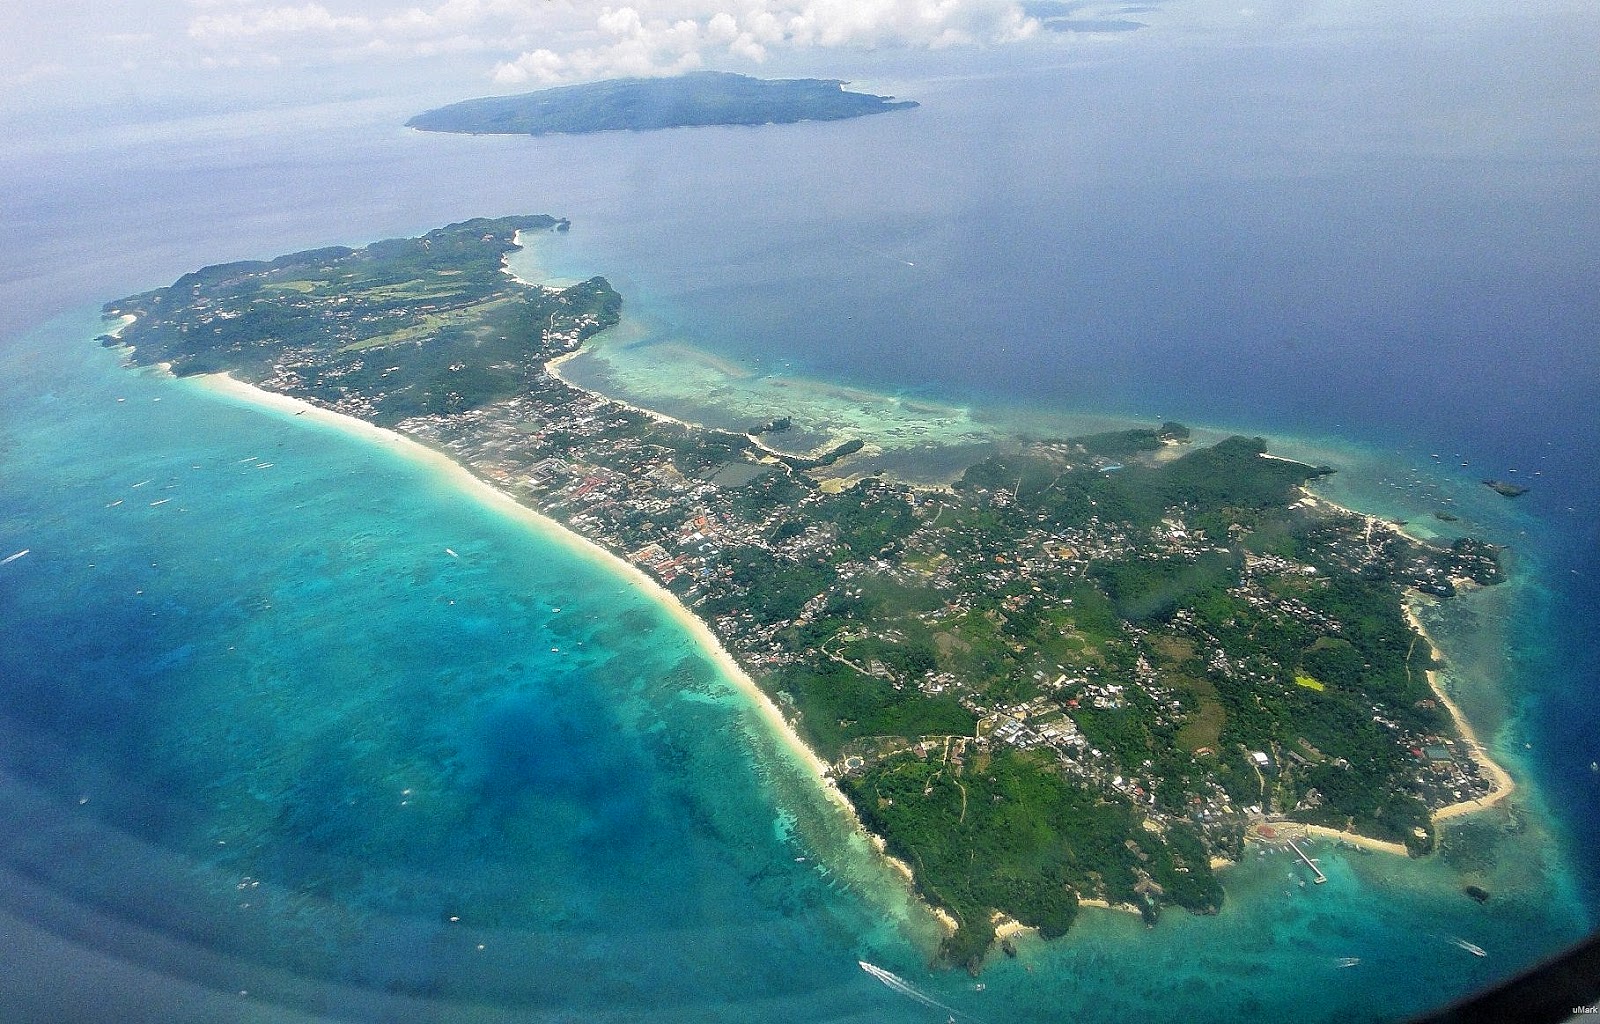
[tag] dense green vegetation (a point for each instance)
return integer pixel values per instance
(1076, 674)
(355, 320)
(1042, 841)
(644, 104)
(838, 704)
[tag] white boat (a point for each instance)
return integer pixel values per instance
(12, 558)
(876, 971)
(1472, 948)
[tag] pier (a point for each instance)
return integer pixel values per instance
(1320, 877)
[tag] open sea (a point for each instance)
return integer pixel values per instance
(268, 752)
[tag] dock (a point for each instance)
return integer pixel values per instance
(1320, 877)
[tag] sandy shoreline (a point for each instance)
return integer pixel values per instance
(1357, 839)
(1500, 780)
(493, 497)
(554, 284)
(553, 368)
(226, 385)
(1502, 785)
(707, 641)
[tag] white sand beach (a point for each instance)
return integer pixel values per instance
(1501, 783)
(468, 483)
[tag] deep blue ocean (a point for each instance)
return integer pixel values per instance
(268, 752)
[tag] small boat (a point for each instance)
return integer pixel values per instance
(877, 972)
(452, 554)
(12, 558)
(1472, 948)
(163, 501)
(1349, 961)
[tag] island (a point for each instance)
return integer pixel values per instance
(1506, 488)
(646, 104)
(1084, 672)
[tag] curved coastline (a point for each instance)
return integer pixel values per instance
(1503, 784)
(468, 482)
(1501, 780)
(225, 385)
(465, 480)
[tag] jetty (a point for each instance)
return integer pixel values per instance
(1316, 871)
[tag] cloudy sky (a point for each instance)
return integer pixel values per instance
(508, 42)
(85, 52)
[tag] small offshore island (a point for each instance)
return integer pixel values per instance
(646, 104)
(1084, 672)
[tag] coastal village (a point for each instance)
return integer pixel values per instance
(590, 465)
(1085, 669)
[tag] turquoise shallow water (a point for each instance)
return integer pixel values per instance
(268, 746)
(255, 707)
(1505, 655)
(223, 699)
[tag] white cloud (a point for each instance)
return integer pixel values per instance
(566, 40)
(669, 36)
(624, 22)
(722, 28)
(308, 18)
(637, 49)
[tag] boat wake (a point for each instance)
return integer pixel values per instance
(910, 991)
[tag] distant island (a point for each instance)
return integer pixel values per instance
(646, 104)
(1083, 674)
